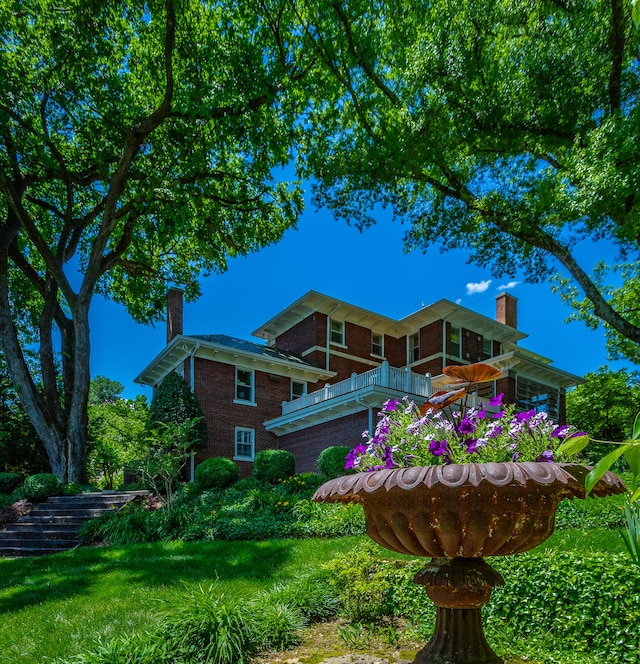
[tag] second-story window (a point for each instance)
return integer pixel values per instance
(413, 348)
(377, 344)
(298, 389)
(337, 332)
(455, 341)
(487, 348)
(245, 386)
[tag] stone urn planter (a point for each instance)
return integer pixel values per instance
(457, 514)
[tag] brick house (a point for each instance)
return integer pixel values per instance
(328, 366)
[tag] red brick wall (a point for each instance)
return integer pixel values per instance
(215, 389)
(307, 444)
(310, 332)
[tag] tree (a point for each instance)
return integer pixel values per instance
(21, 449)
(138, 145)
(604, 406)
(509, 128)
(174, 403)
(117, 431)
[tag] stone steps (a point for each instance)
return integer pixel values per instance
(53, 526)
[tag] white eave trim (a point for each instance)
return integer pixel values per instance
(181, 347)
(373, 396)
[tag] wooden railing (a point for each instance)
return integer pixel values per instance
(401, 380)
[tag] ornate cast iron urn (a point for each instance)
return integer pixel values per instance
(457, 515)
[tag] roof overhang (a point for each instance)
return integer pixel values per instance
(182, 347)
(313, 301)
(524, 363)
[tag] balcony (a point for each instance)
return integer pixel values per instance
(384, 376)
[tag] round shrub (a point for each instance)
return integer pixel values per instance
(218, 472)
(271, 466)
(9, 482)
(332, 459)
(38, 488)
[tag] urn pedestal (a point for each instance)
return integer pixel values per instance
(457, 515)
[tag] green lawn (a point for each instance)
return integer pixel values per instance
(55, 606)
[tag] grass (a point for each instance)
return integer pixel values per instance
(57, 605)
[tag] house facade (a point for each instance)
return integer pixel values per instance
(325, 367)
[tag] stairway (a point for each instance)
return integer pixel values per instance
(53, 526)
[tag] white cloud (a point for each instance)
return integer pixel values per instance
(459, 300)
(479, 287)
(511, 284)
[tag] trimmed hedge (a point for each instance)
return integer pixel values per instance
(332, 459)
(38, 488)
(9, 482)
(217, 472)
(273, 466)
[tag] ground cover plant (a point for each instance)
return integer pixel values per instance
(247, 510)
(110, 604)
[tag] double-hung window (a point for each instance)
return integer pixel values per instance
(377, 344)
(245, 389)
(413, 348)
(298, 389)
(337, 332)
(244, 444)
(455, 341)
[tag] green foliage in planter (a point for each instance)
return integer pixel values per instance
(38, 488)
(217, 472)
(173, 402)
(9, 482)
(273, 466)
(331, 461)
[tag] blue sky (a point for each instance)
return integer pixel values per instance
(368, 269)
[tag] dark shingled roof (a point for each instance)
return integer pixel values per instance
(251, 347)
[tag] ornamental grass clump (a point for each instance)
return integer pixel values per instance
(447, 429)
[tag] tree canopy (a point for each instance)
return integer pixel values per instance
(139, 148)
(509, 128)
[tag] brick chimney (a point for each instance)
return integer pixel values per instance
(507, 310)
(174, 313)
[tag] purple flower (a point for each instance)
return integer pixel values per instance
(495, 432)
(497, 416)
(387, 457)
(515, 456)
(526, 416)
(497, 400)
(353, 455)
(546, 457)
(471, 445)
(438, 447)
(466, 426)
(392, 404)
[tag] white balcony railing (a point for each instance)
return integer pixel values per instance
(401, 380)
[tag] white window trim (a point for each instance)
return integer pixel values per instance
(304, 389)
(245, 402)
(341, 344)
(382, 345)
(410, 359)
(451, 328)
(238, 457)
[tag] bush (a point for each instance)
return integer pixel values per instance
(132, 524)
(331, 461)
(217, 472)
(9, 482)
(571, 602)
(37, 488)
(272, 466)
